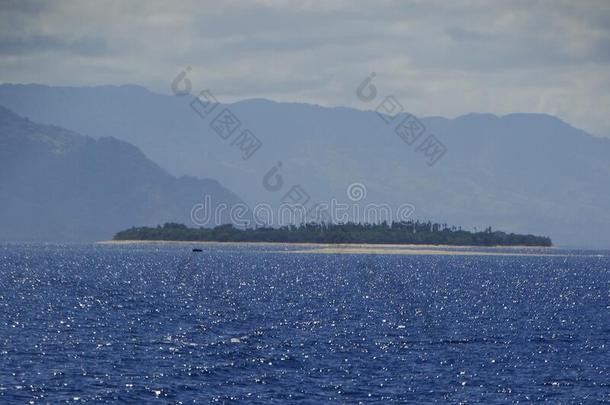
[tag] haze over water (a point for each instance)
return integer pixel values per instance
(160, 323)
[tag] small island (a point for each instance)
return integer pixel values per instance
(410, 232)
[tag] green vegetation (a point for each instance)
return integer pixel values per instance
(411, 232)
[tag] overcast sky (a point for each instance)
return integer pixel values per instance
(438, 58)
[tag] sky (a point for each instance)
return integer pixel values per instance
(444, 58)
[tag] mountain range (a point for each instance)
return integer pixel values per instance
(59, 186)
(526, 173)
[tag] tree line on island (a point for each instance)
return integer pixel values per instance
(407, 232)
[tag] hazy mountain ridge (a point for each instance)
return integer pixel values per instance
(57, 185)
(520, 172)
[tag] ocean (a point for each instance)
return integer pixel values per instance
(265, 324)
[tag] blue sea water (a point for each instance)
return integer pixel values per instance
(159, 323)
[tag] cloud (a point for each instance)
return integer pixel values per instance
(39, 44)
(464, 35)
(438, 58)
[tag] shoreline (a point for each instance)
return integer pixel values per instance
(319, 245)
(372, 249)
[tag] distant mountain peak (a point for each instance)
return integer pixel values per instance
(58, 185)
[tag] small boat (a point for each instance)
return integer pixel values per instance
(197, 250)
